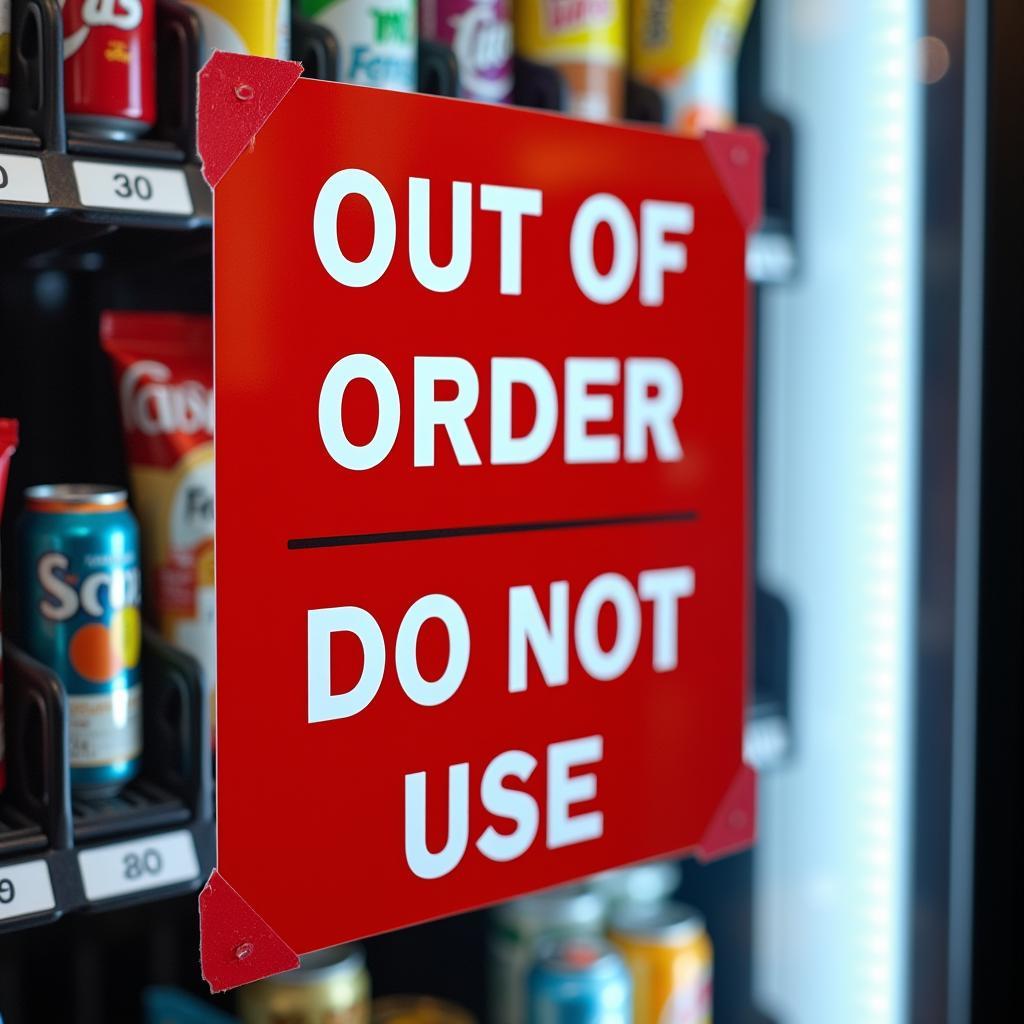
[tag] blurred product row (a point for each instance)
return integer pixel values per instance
(83, 563)
(676, 60)
(108, 731)
(614, 950)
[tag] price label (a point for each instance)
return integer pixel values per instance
(22, 180)
(25, 889)
(138, 864)
(131, 187)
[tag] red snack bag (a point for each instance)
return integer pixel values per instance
(164, 368)
(8, 442)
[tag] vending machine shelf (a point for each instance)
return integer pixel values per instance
(142, 803)
(88, 185)
(138, 868)
(76, 190)
(18, 833)
(63, 852)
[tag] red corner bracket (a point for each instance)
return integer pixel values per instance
(738, 157)
(237, 94)
(733, 826)
(236, 945)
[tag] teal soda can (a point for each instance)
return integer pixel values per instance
(579, 980)
(79, 601)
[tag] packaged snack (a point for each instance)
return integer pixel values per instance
(586, 41)
(688, 51)
(164, 369)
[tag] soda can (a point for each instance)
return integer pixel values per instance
(580, 980)
(5, 56)
(110, 66)
(8, 442)
(80, 594)
(418, 1010)
(668, 952)
(519, 927)
(479, 33)
(329, 985)
(586, 41)
(261, 28)
(377, 39)
(687, 51)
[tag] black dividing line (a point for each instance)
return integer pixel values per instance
(353, 539)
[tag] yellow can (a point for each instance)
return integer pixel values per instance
(586, 41)
(687, 51)
(668, 952)
(330, 985)
(261, 28)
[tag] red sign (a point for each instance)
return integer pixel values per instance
(482, 571)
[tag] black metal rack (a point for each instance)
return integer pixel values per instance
(85, 189)
(60, 852)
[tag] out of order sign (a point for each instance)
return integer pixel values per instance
(482, 556)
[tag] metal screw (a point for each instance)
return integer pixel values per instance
(244, 92)
(244, 950)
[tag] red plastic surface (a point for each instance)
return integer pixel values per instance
(733, 826)
(237, 94)
(738, 157)
(311, 815)
(236, 944)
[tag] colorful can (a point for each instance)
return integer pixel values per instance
(80, 594)
(579, 981)
(520, 927)
(110, 66)
(329, 985)
(8, 442)
(418, 1010)
(480, 35)
(5, 56)
(586, 41)
(687, 51)
(377, 39)
(261, 28)
(668, 952)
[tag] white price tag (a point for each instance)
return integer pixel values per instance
(138, 864)
(22, 180)
(131, 187)
(25, 889)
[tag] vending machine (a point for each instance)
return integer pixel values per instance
(879, 677)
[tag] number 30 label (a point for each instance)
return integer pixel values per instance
(132, 187)
(147, 863)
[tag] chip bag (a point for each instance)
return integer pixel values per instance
(163, 364)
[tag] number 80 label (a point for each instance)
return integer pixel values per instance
(145, 863)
